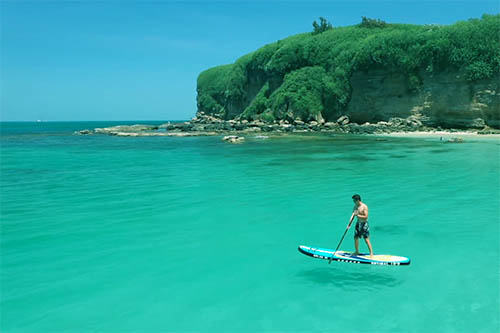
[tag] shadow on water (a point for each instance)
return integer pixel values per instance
(351, 281)
(275, 163)
(356, 158)
(439, 151)
(393, 229)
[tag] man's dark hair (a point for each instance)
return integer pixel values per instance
(356, 197)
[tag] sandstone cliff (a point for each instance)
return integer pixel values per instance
(445, 99)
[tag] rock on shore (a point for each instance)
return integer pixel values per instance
(233, 139)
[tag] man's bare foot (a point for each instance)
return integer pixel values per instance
(354, 253)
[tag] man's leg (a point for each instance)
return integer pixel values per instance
(356, 245)
(367, 240)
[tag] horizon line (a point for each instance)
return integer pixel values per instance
(75, 121)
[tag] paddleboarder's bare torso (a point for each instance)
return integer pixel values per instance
(362, 212)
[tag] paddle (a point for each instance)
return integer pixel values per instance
(345, 232)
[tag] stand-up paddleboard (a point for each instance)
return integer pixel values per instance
(362, 258)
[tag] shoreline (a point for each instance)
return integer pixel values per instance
(447, 136)
(437, 134)
(210, 126)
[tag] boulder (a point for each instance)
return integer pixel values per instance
(368, 128)
(256, 123)
(331, 125)
(241, 126)
(352, 128)
(84, 132)
(251, 129)
(343, 120)
(397, 122)
(233, 139)
(477, 123)
(201, 127)
(165, 126)
(413, 121)
(455, 139)
(268, 128)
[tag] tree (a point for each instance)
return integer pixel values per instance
(372, 23)
(323, 26)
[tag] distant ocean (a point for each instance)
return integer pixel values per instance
(114, 234)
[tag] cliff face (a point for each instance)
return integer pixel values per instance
(445, 99)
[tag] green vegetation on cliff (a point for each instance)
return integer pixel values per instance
(307, 76)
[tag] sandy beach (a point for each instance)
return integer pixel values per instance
(445, 135)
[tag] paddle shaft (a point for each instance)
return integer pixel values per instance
(345, 232)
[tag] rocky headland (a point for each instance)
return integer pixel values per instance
(381, 76)
(370, 78)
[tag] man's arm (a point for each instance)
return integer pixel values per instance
(352, 218)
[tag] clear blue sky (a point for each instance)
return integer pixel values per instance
(139, 60)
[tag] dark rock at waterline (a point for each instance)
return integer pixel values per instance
(84, 132)
(125, 129)
(209, 125)
(454, 139)
(233, 139)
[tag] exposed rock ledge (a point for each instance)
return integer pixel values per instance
(206, 125)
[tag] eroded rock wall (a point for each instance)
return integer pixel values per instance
(444, 99)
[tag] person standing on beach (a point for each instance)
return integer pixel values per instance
(360, 210)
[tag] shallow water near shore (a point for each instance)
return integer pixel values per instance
(103, 233)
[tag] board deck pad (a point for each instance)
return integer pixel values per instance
(362, 258)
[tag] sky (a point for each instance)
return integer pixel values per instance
(139, 60)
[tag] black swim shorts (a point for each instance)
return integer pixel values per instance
(362, 230)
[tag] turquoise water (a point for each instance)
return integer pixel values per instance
(113, 234)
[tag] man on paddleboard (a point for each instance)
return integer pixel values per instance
(360, 210)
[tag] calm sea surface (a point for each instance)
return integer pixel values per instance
(113, 234)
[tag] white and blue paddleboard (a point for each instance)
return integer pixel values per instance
(362, 258)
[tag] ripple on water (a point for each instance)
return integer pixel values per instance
(357, 158)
